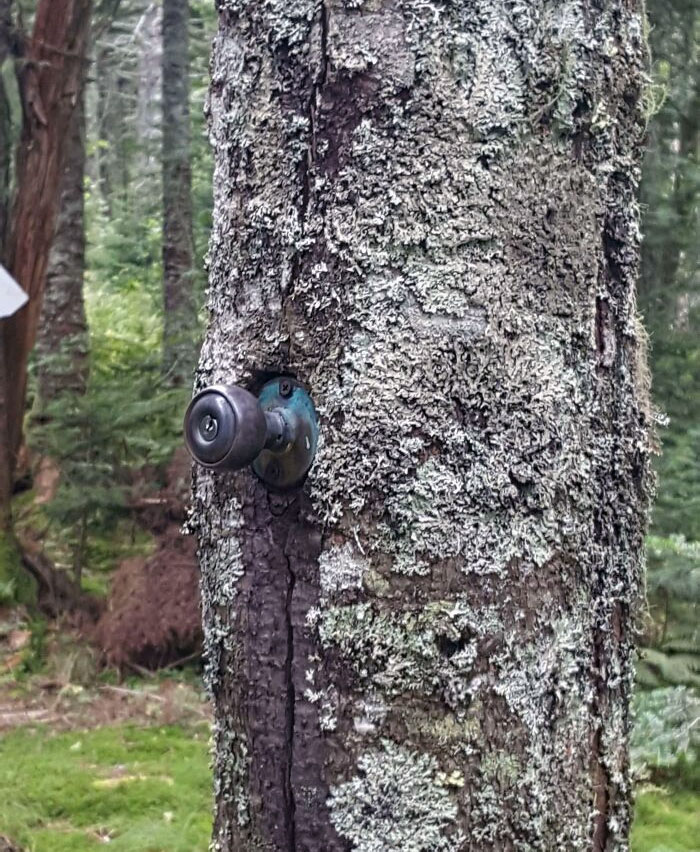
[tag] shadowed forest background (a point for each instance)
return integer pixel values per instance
(103, 724)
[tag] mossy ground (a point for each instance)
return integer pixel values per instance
(667, 821)
(668, 812)
(147, 789)
(141, 789)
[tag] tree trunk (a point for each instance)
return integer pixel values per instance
(5, 123)
(62, 339)
(116, 92)
(5, 466)
(5, 162)
(180, 311)
(50, 73)
(427, 213)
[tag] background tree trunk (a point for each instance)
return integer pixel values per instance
(180, 327)
(62, 339)
(5, 125)
(5, 466)
(50, 73)
(5, 162)
(427, 213)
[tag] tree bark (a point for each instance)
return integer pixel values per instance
(180, 316)
(427, 213)
(5, 160)
(50, 73)
(5, 123)
(5, 466)
(62, 339)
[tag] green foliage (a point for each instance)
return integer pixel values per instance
(140, 789)
(128, 420)
(112, 442)
(670, 280)
(664, 751)
(672, 655)
(669, 297)
(16, 585)
(675, 363)
(202, 27)
(35, 653)
(665, 729)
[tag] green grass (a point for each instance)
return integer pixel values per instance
(148, 789)
(666, 821)
(667, 814)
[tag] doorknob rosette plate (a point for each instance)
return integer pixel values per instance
(285, 467)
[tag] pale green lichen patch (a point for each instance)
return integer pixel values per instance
(341, 569)
(370, 714)
(222, 568)
(455, 732)
(398, 800)
(534, 677)
(429, 650)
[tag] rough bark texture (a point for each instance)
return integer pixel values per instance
(5, 125)
(180, 310)
(50, 72)
(5, 466)
(5, 156)
(62, 339)
(426, 211)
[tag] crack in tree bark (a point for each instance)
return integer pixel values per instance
(290, 807)
(601, 779)
(309, 159)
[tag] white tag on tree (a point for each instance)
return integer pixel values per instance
(12, 296)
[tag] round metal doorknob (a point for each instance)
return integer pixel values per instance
(228, 428)
(225, 427)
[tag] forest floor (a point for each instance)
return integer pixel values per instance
(86, 760)
(85, 764)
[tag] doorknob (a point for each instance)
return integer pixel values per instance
(228, 428)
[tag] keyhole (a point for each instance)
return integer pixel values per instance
(209, 427)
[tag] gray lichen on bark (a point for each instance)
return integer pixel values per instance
(426, 211)
(62, 337)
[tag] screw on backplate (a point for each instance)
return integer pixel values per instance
(286, 387)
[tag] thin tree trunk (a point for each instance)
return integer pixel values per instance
(5, 467)
(116, 95)
(180, 311)
(5, 161)
(427, 213)
(5, 123)
(62, 339)
(50, 73)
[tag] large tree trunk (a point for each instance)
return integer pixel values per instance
(180, 312)
(51, 69)
(62, 339)
(427, 213)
